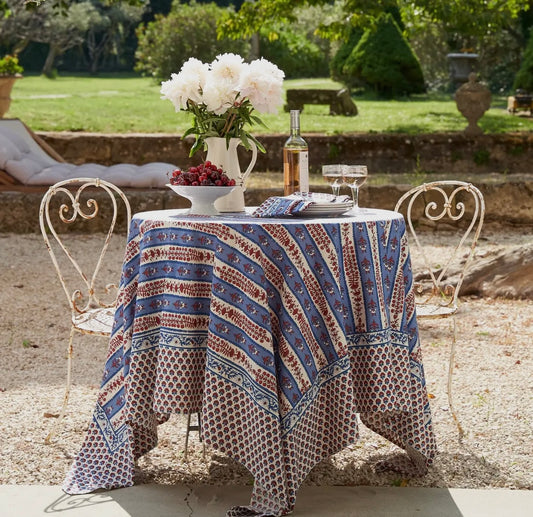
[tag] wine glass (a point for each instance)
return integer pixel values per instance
(355, 177)
(333, 175)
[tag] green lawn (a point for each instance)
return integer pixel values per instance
(128, 103)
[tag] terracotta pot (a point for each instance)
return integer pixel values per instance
(6, 85)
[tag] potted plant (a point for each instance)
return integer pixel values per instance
(10, 71)
(224, 97)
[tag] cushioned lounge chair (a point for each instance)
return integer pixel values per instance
(27, 161)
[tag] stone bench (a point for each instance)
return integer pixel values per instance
(340, 101)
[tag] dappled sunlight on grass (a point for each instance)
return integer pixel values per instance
(127, 103)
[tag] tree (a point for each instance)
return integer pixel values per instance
(99, 27)
(108, 28)
(188, 30)
(343, 53)
(496, 30)
(473, 17)
(300, 52)
(58, 6)
(524, 77)
(17, 26)
(63, 32)
(384, 61)
(295, 54)
(500, 48)
(45, 26)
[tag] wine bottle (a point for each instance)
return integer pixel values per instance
(295, 159)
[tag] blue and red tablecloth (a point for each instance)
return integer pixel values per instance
(278, 331)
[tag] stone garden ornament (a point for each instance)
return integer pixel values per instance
(472, 99)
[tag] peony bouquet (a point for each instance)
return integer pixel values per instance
(223, 95)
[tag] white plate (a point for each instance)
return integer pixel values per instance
(329, 206)
(332, 209)
(325, 204)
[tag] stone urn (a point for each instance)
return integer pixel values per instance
(461, 65)
(473, 99)
(6, 85)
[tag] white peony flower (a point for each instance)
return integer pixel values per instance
(268, 68)
(208, 91)
(175, 91)
(228, 68)
(187, 85)
(262, 83)
(218, 96)
(195, 68)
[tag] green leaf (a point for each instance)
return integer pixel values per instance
(260, 146)
(198, 144)
(190, 131)
(244, 140)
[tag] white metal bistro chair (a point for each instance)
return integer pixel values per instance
(459, 205)
(75, 201)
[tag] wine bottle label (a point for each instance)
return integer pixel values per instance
(304, 171)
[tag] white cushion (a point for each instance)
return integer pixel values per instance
(8, 151)
(16, 139)
(28, 163)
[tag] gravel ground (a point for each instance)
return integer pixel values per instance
(492, 389)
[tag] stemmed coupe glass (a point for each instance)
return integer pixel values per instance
(355, 177)
(333, 175)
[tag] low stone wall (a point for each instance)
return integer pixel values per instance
(508, 203)
(500, 165)
(450, 153)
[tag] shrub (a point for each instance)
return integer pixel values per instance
(384, 61)
(189, 30)
(300, 51)
(9, 65)
(524, 77)
(337, 63)
(295, 54)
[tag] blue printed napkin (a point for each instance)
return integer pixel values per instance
(278, 206)
(298, 202)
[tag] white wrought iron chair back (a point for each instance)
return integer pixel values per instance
(90, 313)
(451, 202)
(456, 203)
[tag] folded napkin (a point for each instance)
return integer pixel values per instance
(278, 206)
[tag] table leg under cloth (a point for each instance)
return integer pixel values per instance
(280, 335)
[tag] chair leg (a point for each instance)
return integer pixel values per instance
(197, 427)
(56, 424)
(450, 375)
(187, 435)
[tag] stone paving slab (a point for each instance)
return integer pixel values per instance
(213, 501)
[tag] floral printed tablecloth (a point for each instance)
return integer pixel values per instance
(279, 331)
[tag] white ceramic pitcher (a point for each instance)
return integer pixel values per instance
(227, 159)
